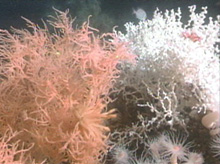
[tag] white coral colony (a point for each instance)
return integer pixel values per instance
(140, 14)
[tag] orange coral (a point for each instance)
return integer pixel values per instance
(54, 89)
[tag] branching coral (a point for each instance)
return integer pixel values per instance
(54, 89)
(170, 54)
(12, 153)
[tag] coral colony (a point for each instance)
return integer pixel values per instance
(146, 96)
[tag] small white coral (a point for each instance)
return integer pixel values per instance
(175, 146)
(121, 155)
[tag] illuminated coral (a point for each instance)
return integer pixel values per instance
(54, 88)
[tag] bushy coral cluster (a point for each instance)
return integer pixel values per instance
(177, 65)
(54, 90)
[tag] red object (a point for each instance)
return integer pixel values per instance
(192, 36)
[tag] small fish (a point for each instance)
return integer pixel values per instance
(140, 14)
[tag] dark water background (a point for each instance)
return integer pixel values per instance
(106, 13)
